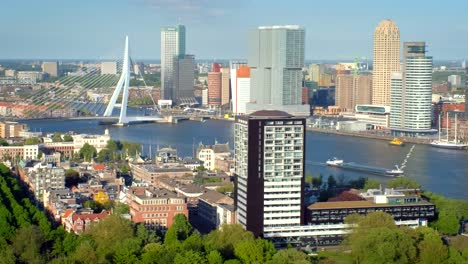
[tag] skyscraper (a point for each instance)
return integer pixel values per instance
(184, 77)
(51, 68)
(214, 88)
(352, 90)
(172, 46)
(386, 60)
(269, 149)
(224, 86)
(242, 90)
(233, 67)
(411, 92)
(276, 59)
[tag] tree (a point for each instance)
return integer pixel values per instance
(87, 152)
(331, 182)
(430, 246)
(371, 184)
(224, 239)
(121, 208)
(214, 257)
(403, 182)
(67, 138)
(447, 223)
(72, 178)
(32, 141)
(27, 244)
(376, 239)
(225, 189)
(180, 230)
(57, 137)
(346, 196)
(317, 182)
(189, 257)
(289, 256)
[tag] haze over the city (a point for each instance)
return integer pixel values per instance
(219, 29)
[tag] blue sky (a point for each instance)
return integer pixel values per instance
(335, 29)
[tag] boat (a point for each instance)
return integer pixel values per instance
(397, 142)
(447, 144)
(334, 161)
(338, 163)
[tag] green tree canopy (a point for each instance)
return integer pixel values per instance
(87, 152)
(67, 138)
(371, 184)
(57, 137)
(403, 182)
(32, 141)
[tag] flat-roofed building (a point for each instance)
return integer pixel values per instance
(155, 207)
(109, 67)
(51, 68)
(375, 116)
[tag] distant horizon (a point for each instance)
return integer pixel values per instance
(334, 29)
(307, 61)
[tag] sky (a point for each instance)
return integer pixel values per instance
(335, 29)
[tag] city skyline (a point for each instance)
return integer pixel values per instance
(95, 30)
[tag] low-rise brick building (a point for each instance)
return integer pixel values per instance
(155, 207)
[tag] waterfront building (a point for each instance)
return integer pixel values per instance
(97, 141)
(172, 47)
(276, 59)
(214, 88)
(240, 87)
(109, 67)
(155, 207)
(386, 60)
(10, 129)
(344, 92)
(184, 78)
(411, 93)
(65, 148)
(215, 209)
(51, 68)
(352, 90)
(374, 116)
(269, 170)
(454, 80)
(209, 154)
(205, 97)
(225, 96)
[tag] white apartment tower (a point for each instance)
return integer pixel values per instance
(269, 170)
(411, 93)
(172, 46)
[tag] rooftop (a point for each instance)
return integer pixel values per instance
(269, 113)
(358, 204)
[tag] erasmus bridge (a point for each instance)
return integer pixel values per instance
(84, 96)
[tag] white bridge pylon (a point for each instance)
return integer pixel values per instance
(124, 82)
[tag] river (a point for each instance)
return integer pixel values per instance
(437, 170)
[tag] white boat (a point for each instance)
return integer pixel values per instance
(334, 161)
(447, 144)
(397, 171)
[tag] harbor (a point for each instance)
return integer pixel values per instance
(447, 176)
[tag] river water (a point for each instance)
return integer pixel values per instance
(438, 170)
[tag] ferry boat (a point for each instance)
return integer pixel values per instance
(397, 142)
(446, 144)
(338, 163)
